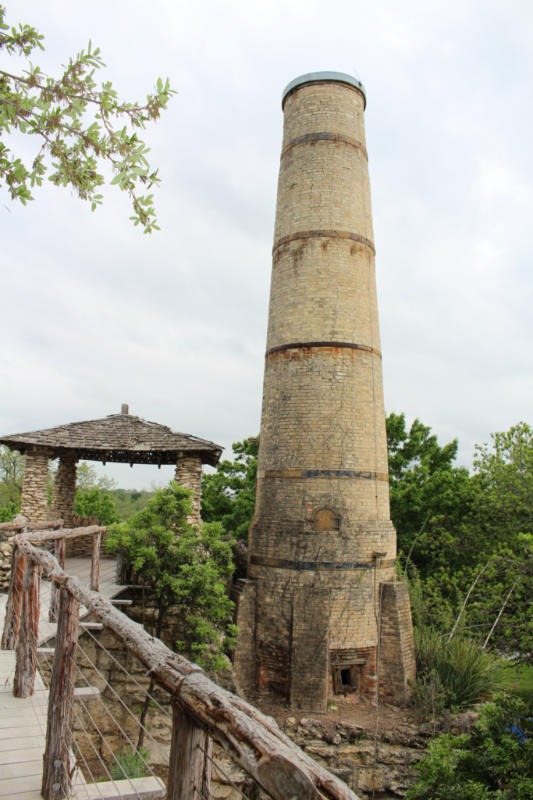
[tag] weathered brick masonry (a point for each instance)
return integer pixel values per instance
(321, 542)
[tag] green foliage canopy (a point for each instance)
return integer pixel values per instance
(228, 495)
(185, 568)
(11, 473)
(74, 149)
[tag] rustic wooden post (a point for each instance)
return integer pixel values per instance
(28, 639)
(189, 769)
(14, 600)
(95, 562)
(59, 552)
(56, 761)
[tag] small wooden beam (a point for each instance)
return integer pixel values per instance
(29, 632)
(189, 770)
(59, 552)
(95, 562)
(68, 533)
(32, 526)
(92, 626)
(56, 783)
(14, 600)
(86, 693)
(129, 789)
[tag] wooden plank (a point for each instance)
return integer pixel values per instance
(29, 632)
(11, 786)
(56, 782)
(27, 768)
(28, 744)
(131, 789)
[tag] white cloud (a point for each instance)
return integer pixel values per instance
(95, 314)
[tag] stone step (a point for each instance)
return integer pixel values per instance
(116, 601)
(130, 789)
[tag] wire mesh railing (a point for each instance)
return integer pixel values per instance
(98, 744)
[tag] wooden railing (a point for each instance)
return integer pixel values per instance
(202, 711)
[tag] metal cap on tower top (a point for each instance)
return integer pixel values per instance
(323, 77)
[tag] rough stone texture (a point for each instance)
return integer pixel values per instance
(397, 657)
(189, 474)
(321, 537)
(33, 504)
(64, 492)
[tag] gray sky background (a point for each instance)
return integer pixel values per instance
(94, 313)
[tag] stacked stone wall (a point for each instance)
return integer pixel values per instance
(34, 497)
(64, 492)
(397, 663)
(189, 474)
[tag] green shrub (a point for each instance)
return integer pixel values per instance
(493, 762)
(130, 764)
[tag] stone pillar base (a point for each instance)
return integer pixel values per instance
(34, 498)
(244, 656)
(397, 657)
(189, 475)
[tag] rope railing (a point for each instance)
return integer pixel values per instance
(202, 712)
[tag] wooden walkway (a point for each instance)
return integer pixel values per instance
(23, 721)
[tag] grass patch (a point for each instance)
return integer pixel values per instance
(517, 678)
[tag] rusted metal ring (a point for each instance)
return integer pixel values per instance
(324, 136)
(305, 345)
(328, 234)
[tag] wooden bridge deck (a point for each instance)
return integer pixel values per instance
(23, 721)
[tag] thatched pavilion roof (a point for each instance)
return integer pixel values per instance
(118, 437)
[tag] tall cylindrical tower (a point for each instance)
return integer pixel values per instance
(321, 542)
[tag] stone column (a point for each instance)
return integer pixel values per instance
(64, 491)
(189, 475)
(34, 497)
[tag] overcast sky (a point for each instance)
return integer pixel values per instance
(95, 313)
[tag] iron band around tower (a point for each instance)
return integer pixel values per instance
(284, 563)
(308, 345)
(324, 234)
(324, 136)
(323, 473)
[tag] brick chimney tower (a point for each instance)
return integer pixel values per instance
(320, 613)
